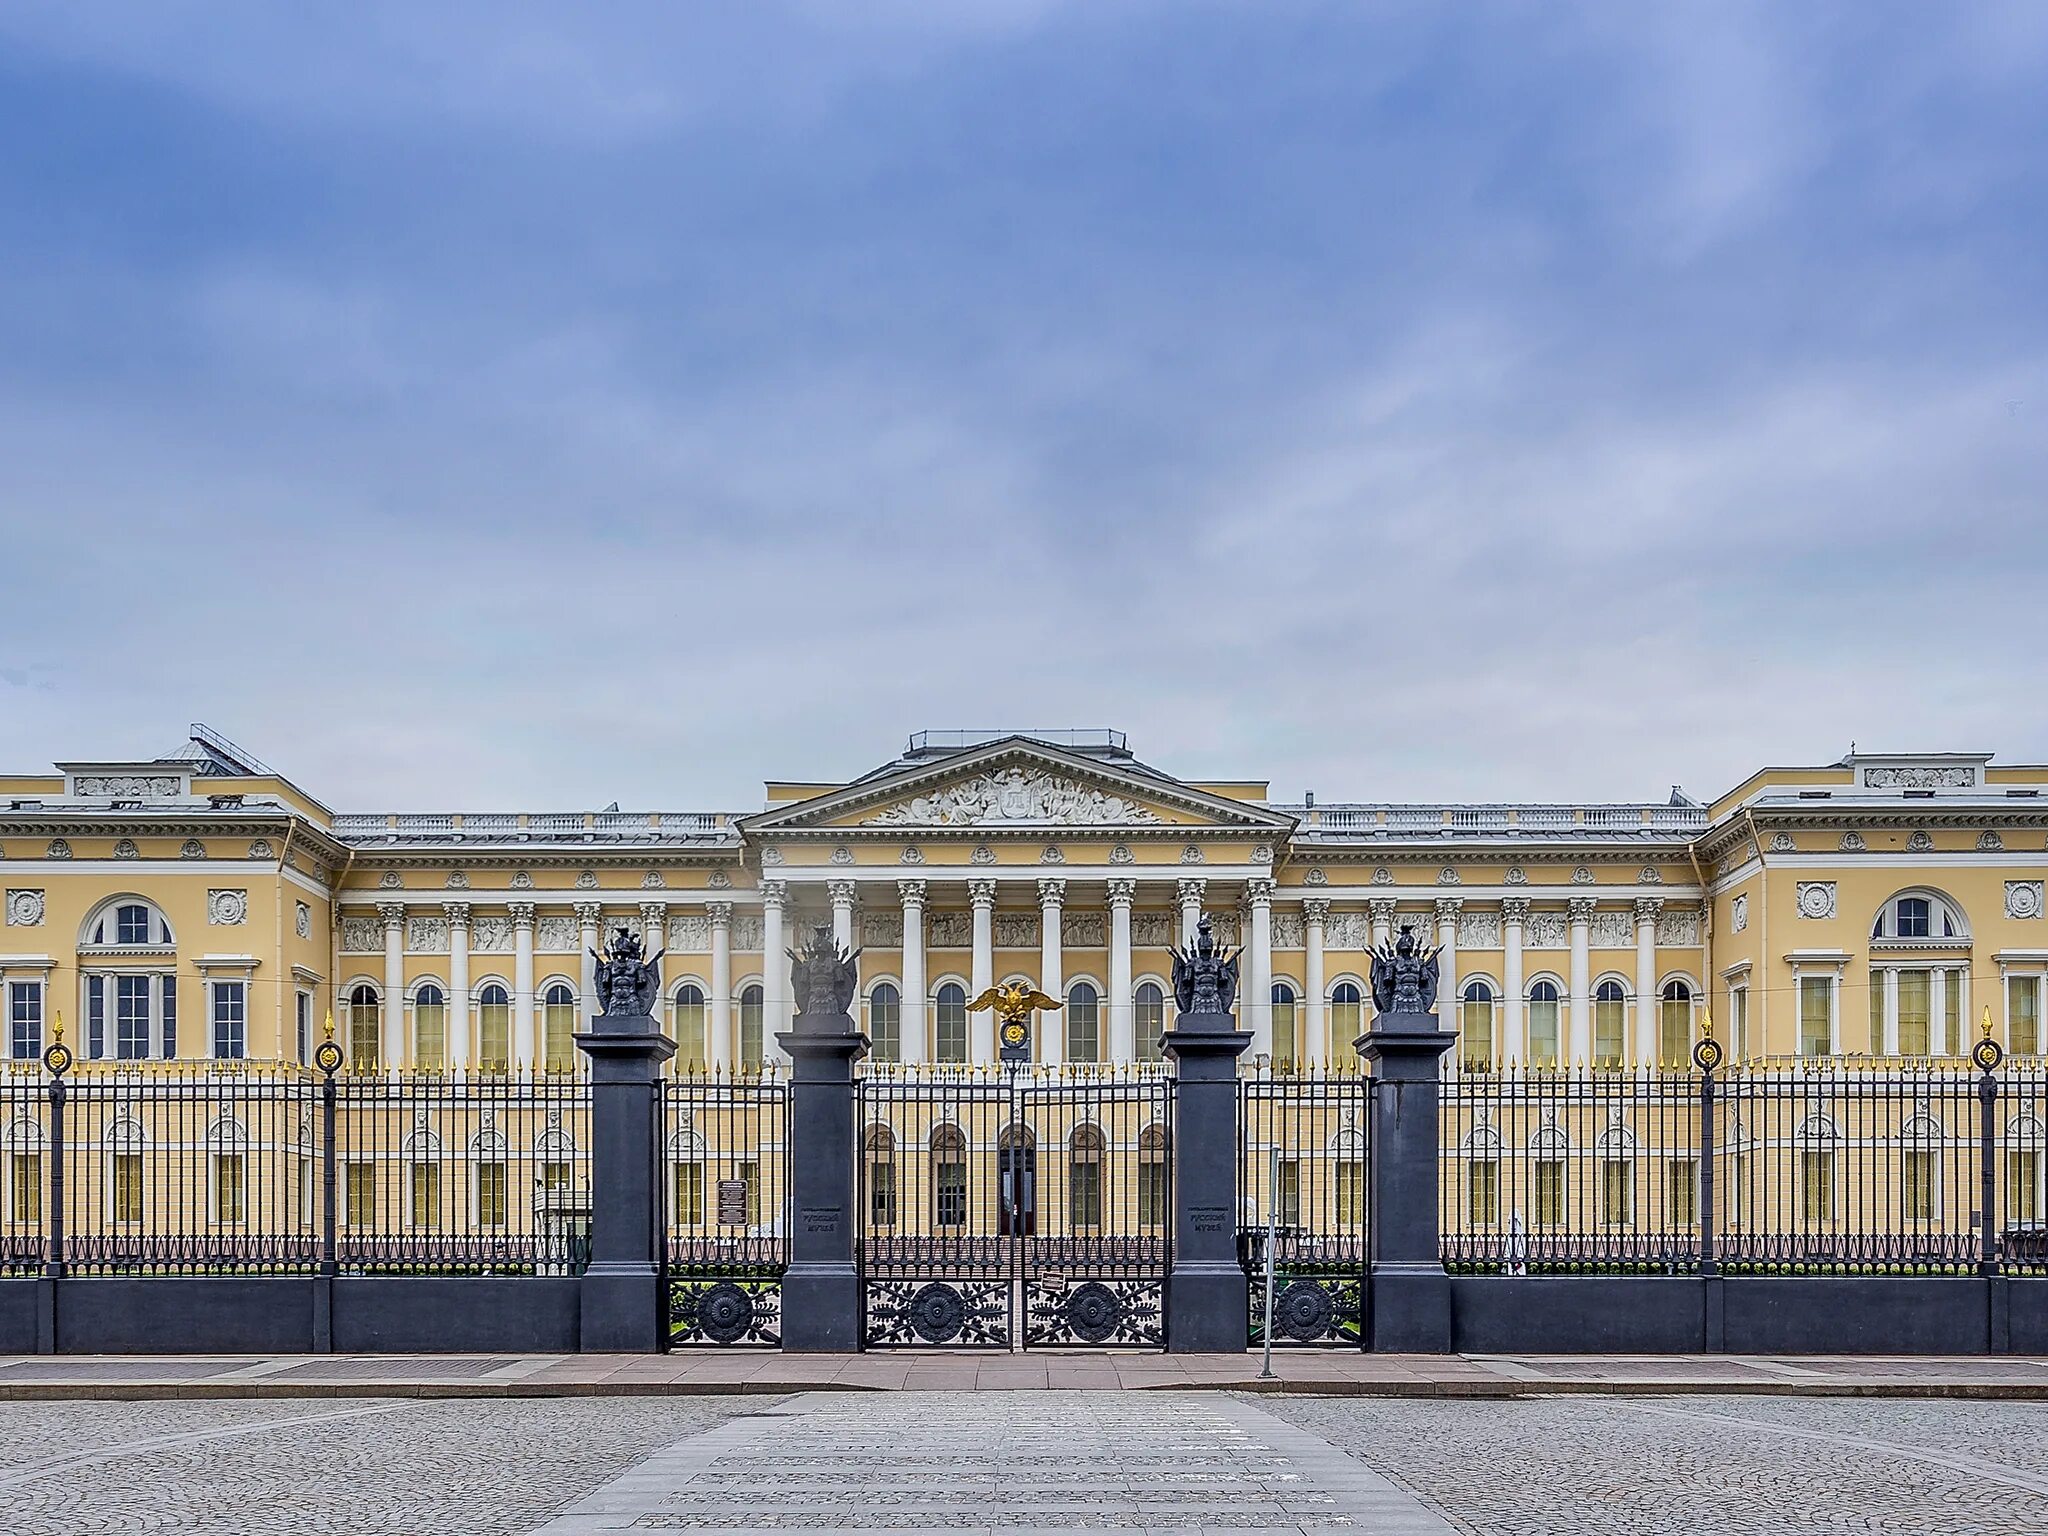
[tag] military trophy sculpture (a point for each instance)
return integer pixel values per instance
(821, 1298)
(1205, 974)
(823, 979)
(1404, 976)
(1014, 1002)
(627, 981)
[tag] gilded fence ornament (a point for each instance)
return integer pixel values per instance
(1404, 975)
(57, 1059)
(628, 981)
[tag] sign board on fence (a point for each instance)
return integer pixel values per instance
(732, 1202)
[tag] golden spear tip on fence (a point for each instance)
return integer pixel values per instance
(1987, 1021)
(57, 1028)
(1706, 1023)
(327, 1029)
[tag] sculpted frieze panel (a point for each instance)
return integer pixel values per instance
(747, 931)
(689, 933)
(426, 935)
(1678, 925)
(557, 934)
(1919, 778)
(1015, 794)
(1016, 930)
(1348, 930)
(1151, 930)
(1083, 930)
(1546, 930)
(127, 786)
(491, 935)
(1479, 930)
(881, 930)
(949, 930)
(1613, 929)
(361, 935)
(1289, 932)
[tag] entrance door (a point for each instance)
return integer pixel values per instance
(1017, 1184)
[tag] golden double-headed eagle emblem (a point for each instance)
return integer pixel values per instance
(1013, 1003)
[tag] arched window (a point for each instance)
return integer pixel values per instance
(1286, 1031)
(1084, 1023)
(558, 1028)
(1347, 1023)
(365, 1018)
(1475, 1027)
(490, 1175)
(137, 1008)
(1920, 1163)
(750, 1028)
(493, 1028)
(885, 1022)
(1084, 1179)
(1816, 1153)
(691, 1052)
(879, 1147)
(429, 1027)
(1543, 1025)
(1547, 1149)
(1149, 1021)
(949, 1024)
(1153, 1146)
(129, 921)
(949, 1178)
(125, 1140)
(1616, 1151)
(1482, 1174)
(686, 1154)
(1610, 1024)
(1920, 918)
(1674, 1024)
(1348, 1149)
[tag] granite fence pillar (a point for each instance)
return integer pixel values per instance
(623, 1307)
(821, 1297)
(1408, 1295)
(1207, 1297)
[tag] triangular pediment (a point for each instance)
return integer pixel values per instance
(1017, 785)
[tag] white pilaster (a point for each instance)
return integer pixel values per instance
(1123, 1034)
(774, 973)
(1579, 910)
(522, 986)
(1315, 1008)
(718, 1006)
(1449, 1000)
(392, 1046)
(915, 1010)
(459, 1051)
(1258, 895)
(589, 930)
(1191, 894)
(841, 892)
(1937, 1012)
(1648, 1045)
(1381, 909)
(981, 1024)
(1514, 1011)
(1052, 972)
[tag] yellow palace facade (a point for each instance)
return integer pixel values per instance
(201, 906)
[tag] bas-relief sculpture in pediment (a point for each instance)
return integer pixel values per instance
(1023, 796)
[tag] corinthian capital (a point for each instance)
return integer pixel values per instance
(1316, 910)
(911, 892)
(1258, 891)
(982, 892)
(1122, 892)
(589, 913)
(1647, 908)
(522, 914)
(774, 892)
(1580, 909)
(393, 913)
(841, 891)
(1052, 893)
(1515, 909)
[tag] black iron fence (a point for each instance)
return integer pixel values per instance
(725, 1182)
(1304, 1186)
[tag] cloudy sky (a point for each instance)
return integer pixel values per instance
(483, 405)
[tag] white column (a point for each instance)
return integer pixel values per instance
(1579, 1049)
(1123, 1033)
(1937, 1012)
(1514, 1012)
(522, 986)
(1648, 1046)
(1258, 895)
(774, 973)
(1382, 910)
(392, 1048)
(718, 1006)
(981, 1024)
(458, 984)
(1315, 1007)
(841, 892)
(1052, 976)
(1191, 893)
(653, 940)
(914, 1013)
(1447, 910)
(589, 931)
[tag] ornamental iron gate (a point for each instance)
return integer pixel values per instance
(1312, 1198)
(725, 1154)
(1015, 1211)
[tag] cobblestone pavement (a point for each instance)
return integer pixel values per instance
(1701, 1466)
(367, 1467)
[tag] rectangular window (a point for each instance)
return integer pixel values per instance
(303, 1020)
(1084, 1027)
(126, 1195)
(1152, 1194)
(1149, 1017)
(96, 1017)
(491, 1185)
(1609, 1032)
(25, 1019)
(230, 1187)
(1816, 1187)
(426, 1195)
(1617, 1191)
(230, 1020)
(1674, 1042)
(885, 1025)
(1877, 1006)
(1288, 1196)
(1350, 1193)
(949, 1194)
(750, 1030)
(1816, 1015)
(1738, 1023)
(1915, 996)
(359, 1189)
(1681, 1192)
(1482, 1193)
(1347, 1023)
(169, 1043)
(1084, 1195)
(688, 1186)
(1475, 1035)
(2023, 1186)
(556, 1177)
(25, 1187)
(131, 1017)
(1549, 1192)
(1918, 1204)
(1286, 1035)
(2023, 1015)
(881, 1193)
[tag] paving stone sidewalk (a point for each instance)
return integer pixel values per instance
(1336, 1372)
